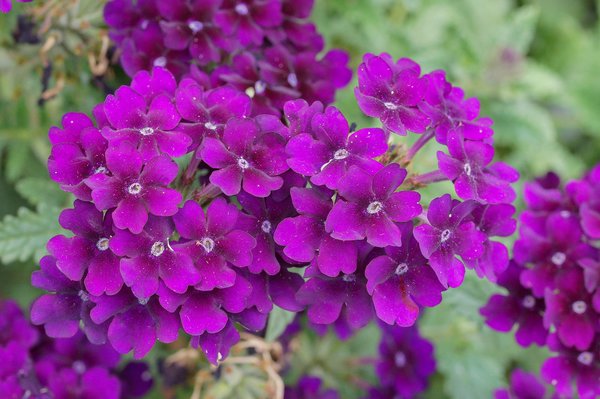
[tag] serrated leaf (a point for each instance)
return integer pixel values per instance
(279, 319)
(38, 191)
(25, 234)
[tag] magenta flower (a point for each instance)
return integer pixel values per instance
(468, 167)
(191, 25)
(493, 221)
(133, 324)
(333, 299)
(392, 92)
(572, 310)
(330, 151)
(245, 158)
(151, 129)
(401, 281)
(88, 252)
(213, 242)
(371, 206)
(448, 110)
(248, 19)
(304, 237)
(148, 257)
(65, 307)
(209, 110)
(406, 360)
(449, 233)
(135, 189)
(260, 219)
(77, 153)
(6, 5)
(570, 366)
(519, 307)
(523, 385)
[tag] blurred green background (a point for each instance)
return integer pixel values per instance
(533, 64)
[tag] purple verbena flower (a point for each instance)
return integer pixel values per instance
(392, 92)
(135, 188)
(330, 151)
(245, 158)
(369, 206)
(401, 281)
(449, 233)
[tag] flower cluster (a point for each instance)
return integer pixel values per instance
(254, 203)
(553, 291)
(406, 362)
(34, 366)
(267, 48)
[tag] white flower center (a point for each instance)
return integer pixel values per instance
(100, 169)
(195, 26)
(579, 307)
(242, 9)
(559, 258)
(467, 169)
(145, 24)
(391, 106)
(79, 367)
(374, 207)
(157, 248)
(340, 154)
(134, 188)
(147, 131)
(207, 243)
(143, 301)
(260, 87)
(401, 269)
(250, 92)
(400, 359)
(160, 62)
(292, 79)
(349, 278)
(445, 235)
(210, 126)
(565, 214)
(266, 226)
(585, 358)
(84, 296)
(102, 244)
(242, 163)
(528, 302)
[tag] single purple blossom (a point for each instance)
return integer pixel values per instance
(213, 242)
(401, 281)
(468, 166)
(134, 188)
(392, 92)
(88, 252)
(449, 233)
(520, 307)
(247, 19)
(148, 258)
(369, 206)
(151, 129)
(309, 387)
(245, 158)
(331, 150)
(523, 385)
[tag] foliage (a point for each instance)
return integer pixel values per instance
(533, 63)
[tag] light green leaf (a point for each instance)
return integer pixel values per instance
(24, 235)
(39, 190)
(279, 319)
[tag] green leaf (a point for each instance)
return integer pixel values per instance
(25, 235)
(38, 190)
(279, 319)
